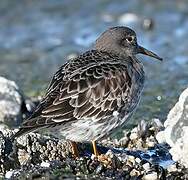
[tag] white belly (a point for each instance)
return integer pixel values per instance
(88, 130)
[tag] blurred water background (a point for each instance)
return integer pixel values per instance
(37, 36)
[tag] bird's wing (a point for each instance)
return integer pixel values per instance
(56, 80)
(94, 92)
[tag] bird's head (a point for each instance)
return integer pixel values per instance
(122, 41)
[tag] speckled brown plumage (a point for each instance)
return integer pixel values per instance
(92, 95)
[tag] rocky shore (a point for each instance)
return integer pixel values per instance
(141, 153)
(34, 156)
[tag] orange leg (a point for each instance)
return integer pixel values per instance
(95, 148)
(102, 157)
(75, 149)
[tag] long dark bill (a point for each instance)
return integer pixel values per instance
(143, 50)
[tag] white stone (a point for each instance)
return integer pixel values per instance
(9, 174)
(45, 164)
(151, 144)
(11, 100)
(146, 166)
(172, 168)
(138, 160)
(161, 137)
(110, 154)
(131, 158)
(151, 176)
(176, 130)
(133, 136)
(93, 156)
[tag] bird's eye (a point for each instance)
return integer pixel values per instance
(130, 39)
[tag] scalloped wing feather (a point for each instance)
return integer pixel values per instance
(101, 93)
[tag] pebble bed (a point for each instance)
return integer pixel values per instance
(34, 156)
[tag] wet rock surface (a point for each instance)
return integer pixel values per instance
(176, 129)
(35, 156)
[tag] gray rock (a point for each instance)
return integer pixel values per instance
(176, 130)
(11, 101)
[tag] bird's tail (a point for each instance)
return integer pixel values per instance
(30, 125)
(21, 132)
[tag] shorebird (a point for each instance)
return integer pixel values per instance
(92, 95)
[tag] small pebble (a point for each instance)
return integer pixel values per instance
(110, 154)
(93, 157)
(146, 166)
(151, 176)
(142, 128)
(150, 144)
(138, 160)
(123, 141)
(159, 98)
(9, 174)
(134, 172)
(131, 158)
(172, 168)
(45, 164)
(133, 136)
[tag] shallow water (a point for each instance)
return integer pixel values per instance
(37, 36)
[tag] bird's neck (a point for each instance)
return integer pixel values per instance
(138, 66)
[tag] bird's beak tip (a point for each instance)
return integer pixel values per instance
(144, 51)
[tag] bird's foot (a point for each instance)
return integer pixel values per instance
(75, 150)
